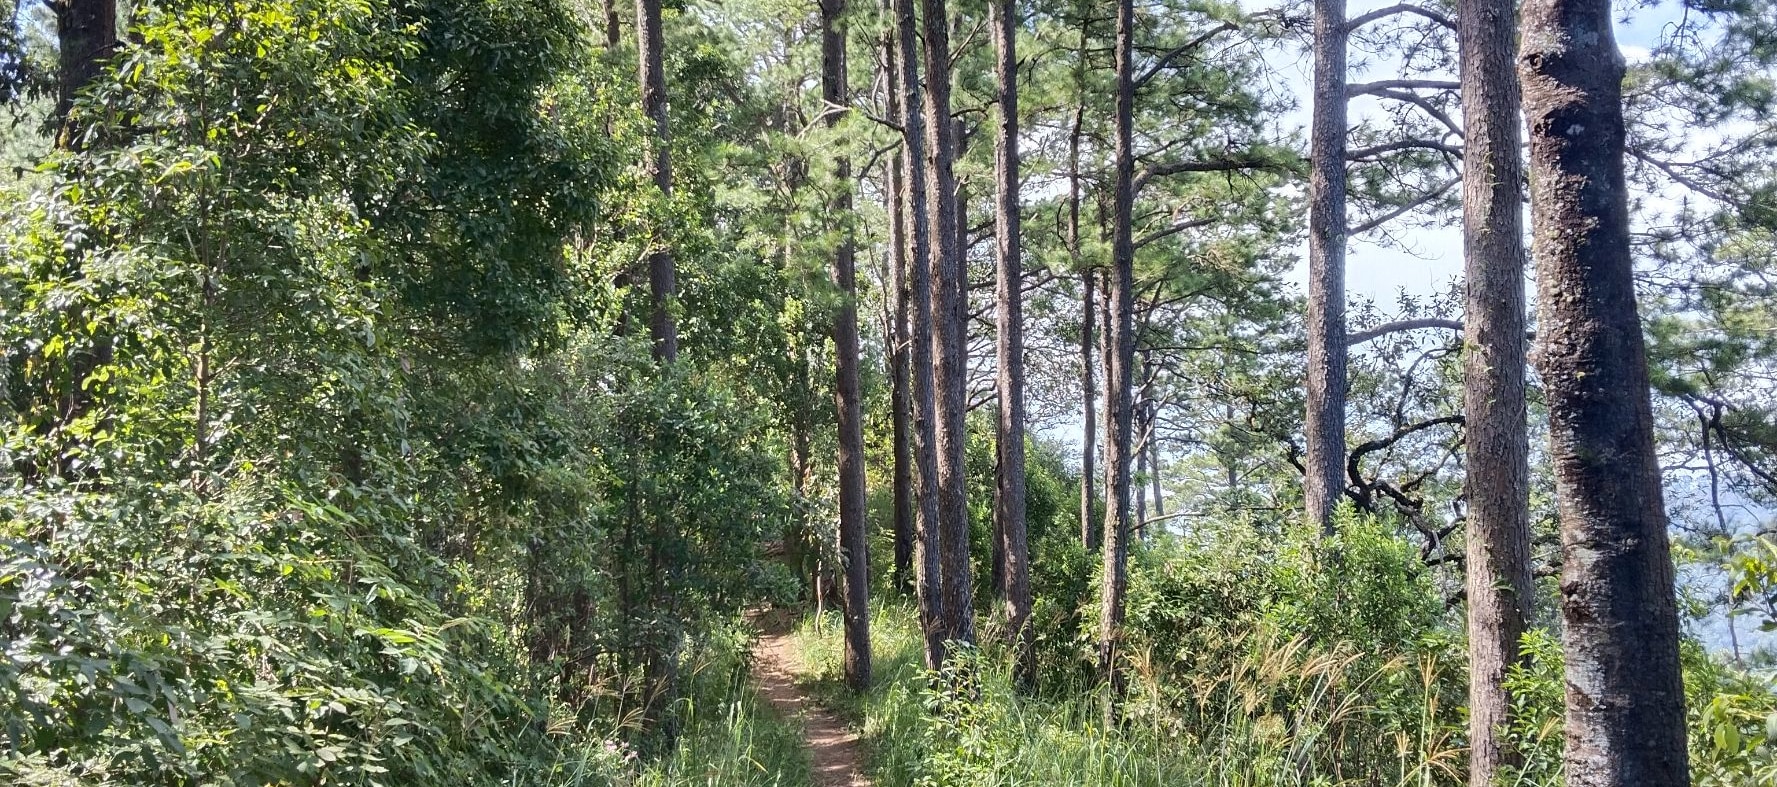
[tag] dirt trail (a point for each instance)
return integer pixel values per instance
(836, 756)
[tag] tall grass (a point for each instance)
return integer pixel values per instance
(728, 736)
(1285, 713)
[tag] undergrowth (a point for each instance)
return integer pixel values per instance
(1246, 669)
(728, 737)
(1250, 665)
(919, 737)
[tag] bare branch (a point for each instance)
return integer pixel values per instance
(1172, 230)
(1403, 209)
(1354, 463)
(881, 121)
(1364, 154)
(1166, 59)
(1671, 171)
(1239, 162)
(1400, 8)
(1366, 88)
(1426, 106)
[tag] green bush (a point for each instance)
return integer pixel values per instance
(256, 637)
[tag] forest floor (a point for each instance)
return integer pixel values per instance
(836, 757)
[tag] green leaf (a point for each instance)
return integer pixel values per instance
(1727, 739)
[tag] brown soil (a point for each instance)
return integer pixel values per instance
(836, 757)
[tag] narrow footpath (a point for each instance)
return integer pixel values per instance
(836, 757)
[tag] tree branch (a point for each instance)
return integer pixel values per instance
(1404, 209)
(1166, 59)
(1172, 230)
(1399, 8)
(1355, 339)
(1362, 154)
(1363, 493)
(1353, 465)
(1366, 88)
(1672, 172)
(1428, 107)
(1219, 165)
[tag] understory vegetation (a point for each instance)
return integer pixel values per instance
(1259, 657)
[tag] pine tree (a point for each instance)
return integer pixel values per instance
(1499, 584)
(1625, 697)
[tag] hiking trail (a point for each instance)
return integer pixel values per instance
(836, 757)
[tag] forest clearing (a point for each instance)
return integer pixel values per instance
(910, 393)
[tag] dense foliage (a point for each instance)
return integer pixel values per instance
(321, 471)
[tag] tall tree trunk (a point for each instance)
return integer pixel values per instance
(622, 281)
(1138, 482)
(1154, 459)
(925, 442)
(806, 534)
(1499, 579)
(847, 393)
(1106, 429)
(950, 324)
(661, 277)
(1119, 374)
(900, 393)
(1625, 696)
(1009, 289)
(1325, 428)
(1090, 526)
(86, 33)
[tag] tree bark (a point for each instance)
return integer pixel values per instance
(847, 392)
(622, 280)
(1154, 459)
(86, 33)
(1119, 376)
(1138, 482)
(661, 277)
(1625, 695)
(929, 582)
(1107, 431)
(1325, 427)
(949, 281)
(1009, 510)
(900, 393)
(1499, 582)
(1091, 529)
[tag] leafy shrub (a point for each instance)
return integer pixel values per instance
(1314, 658)
(260, 636)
